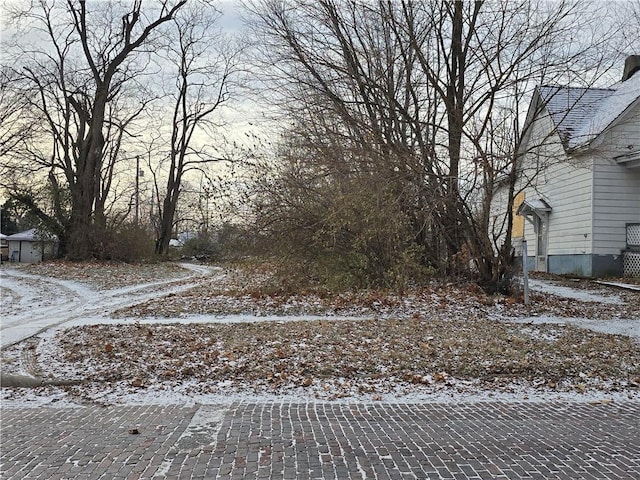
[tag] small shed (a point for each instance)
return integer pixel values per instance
(29, 247)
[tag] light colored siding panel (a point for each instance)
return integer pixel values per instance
(569, 193)
(591, 196)
(617, 197)
(616, 188)
(617, 140)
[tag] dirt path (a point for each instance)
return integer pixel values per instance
(33, 304)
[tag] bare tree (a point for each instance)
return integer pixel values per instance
(84, 58)
(204, 63)
(626, 18)
(482, 60)
(432, 91)
(14, 128)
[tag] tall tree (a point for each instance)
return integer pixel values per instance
(481, 58)
(81, 64)
(204, 64)
(429, 89)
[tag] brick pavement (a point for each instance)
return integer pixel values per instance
(325, 441)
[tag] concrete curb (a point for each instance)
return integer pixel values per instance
(25, 381)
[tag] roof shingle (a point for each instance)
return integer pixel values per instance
(581, 114)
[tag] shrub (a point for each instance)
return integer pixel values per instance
(352, 235)
(204, 244)
(126, 243)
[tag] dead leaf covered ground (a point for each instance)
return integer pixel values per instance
(245, 292)
(340, 358)
(106, 275)
(444, 337)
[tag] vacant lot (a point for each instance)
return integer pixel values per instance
(445, 337)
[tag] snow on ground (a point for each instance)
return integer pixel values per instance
(33, 303)
(626, 286)
(568, 292)
(192, 391)
(44, 306)
(180, 395)
(628, 328)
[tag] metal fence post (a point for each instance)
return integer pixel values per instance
(525, 274)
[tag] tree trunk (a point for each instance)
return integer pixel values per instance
(454, 216)
(80, 237)
(166, 226)
(169, 206)
(85, 231)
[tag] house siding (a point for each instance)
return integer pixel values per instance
(566, 185)
(568, 190)
(622, 137)
(591, 207)
(616, 187)
(617, 202)
(592, 196)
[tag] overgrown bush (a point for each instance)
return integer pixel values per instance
(126, 243)
(345, 234)
(203, 244)
(364, 240)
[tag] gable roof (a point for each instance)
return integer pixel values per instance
(581, 114)
(29, 236)
(623, 98)
(571, 108)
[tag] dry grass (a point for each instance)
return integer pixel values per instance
(107, 275)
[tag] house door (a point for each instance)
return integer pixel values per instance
(541, 247)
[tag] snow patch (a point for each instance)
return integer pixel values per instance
(568, 292)
(629, 328)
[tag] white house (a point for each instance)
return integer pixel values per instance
(29, 247)
(580, 177)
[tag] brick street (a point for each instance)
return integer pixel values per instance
(500, 440)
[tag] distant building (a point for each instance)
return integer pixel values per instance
(29, 247)
(4, 248)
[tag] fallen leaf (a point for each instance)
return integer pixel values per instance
(440, 377)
